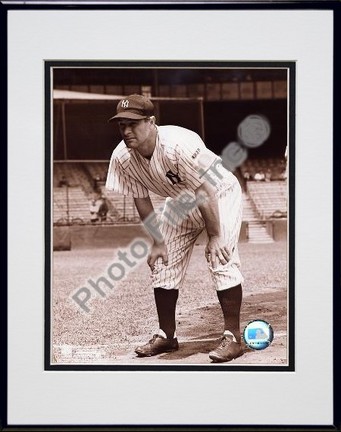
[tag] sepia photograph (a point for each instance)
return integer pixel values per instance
(167, 207)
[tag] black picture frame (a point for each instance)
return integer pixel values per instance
(301, 5)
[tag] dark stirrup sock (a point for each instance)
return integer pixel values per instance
(230, 302)
(165, 301)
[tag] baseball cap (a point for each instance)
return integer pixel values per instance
(134, 107)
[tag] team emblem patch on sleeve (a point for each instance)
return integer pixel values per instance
(195, 154)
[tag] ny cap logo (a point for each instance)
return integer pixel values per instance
(125, 103)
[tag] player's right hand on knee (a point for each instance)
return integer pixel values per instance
(158, 250)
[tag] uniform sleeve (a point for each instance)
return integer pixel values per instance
(195, 162)
(119, 181)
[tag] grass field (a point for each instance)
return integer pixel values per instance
(126, 316)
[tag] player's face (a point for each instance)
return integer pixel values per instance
(135, 132)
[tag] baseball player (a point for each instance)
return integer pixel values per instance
(201, 195)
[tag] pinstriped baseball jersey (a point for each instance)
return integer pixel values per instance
(180, 164)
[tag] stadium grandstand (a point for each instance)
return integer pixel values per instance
(83, 140)
(264, 199)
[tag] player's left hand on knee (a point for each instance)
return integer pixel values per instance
(217, 252)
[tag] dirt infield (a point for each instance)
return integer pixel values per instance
(126, 318)
(198, 329)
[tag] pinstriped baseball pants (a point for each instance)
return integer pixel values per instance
(181, 231)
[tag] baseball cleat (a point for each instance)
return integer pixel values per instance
(157, 345)
(226, 351)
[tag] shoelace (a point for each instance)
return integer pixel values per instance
(225, 341)
(153, 339)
